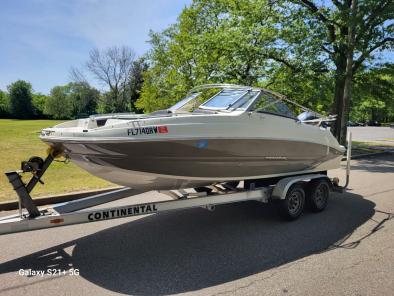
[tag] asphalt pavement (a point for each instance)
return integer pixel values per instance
(239, 249)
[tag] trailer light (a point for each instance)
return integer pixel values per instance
(56, 221)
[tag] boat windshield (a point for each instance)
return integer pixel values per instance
(230, 99)
(224, 99)
(213, 98)
(216, 100)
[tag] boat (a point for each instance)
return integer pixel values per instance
(219, 133)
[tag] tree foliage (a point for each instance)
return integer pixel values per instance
(20, 99)
(214, 41)
(71, 100)
(350, 33)
(38, 102)
(83, 97)
(306, 49)
(136, 81)
(373, 96)
(3, 104)
(58, 105)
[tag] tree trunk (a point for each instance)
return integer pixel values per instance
(343, 79)
(338, 95)
(347, 90)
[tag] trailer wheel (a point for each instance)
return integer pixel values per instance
(318, 193)
(292, 206)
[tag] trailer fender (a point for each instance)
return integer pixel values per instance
(284, 184)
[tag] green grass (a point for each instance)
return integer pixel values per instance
(19, 141)
(367, 147)
(371, 145)
(362, 147)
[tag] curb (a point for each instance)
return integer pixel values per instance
(47, 200)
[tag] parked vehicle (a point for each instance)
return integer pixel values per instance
(372, 123)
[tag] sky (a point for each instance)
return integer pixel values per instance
(40, 40)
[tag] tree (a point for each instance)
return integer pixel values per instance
(136, 81)
(3, 104)
(296, 47)
(83, 98)
(243, 41)
(58, 105)
(20, 99)
(112, 67)
(120, 72)
(38, 102)
(373, 94)
(71, 100)
(352, 31)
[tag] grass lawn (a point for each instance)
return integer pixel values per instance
(362, 147)
(19, 141)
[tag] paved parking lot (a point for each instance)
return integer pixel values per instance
(239, 249)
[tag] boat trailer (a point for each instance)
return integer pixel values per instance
(30, 217)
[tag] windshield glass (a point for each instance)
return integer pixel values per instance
(215, 99)
(223, 100)
(244, 102)
(269, 104)
(187, 104)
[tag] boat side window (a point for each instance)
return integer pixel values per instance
(269, 104)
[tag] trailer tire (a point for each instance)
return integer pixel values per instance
(292, 206)
(318, 192)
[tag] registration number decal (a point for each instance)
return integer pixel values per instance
(151, 130)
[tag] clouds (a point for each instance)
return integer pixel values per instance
(42, 39)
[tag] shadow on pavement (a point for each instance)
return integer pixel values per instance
(194, 249)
